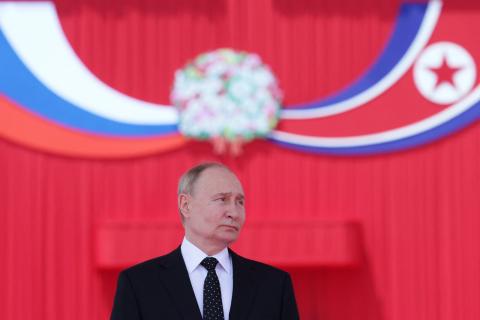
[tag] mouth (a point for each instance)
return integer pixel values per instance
(230, 227)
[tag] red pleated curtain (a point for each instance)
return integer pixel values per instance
(391, 236)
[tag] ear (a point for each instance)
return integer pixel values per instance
(184, 205)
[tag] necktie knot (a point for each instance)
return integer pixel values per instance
(209, 263)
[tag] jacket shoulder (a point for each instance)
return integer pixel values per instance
(260, 268)
(152, 265)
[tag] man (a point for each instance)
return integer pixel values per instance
(203, 279)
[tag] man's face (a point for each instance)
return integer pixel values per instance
(216, 210)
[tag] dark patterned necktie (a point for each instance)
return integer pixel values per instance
(212, 297)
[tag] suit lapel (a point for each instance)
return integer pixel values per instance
(244, 287)
(174, 276)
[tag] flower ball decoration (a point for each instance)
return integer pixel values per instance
(228, 97)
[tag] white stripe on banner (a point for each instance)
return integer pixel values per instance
(35, 33)
(385, 136)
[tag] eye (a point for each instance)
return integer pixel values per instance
(241, 202)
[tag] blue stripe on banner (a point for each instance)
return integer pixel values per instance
(19, 84)
(457, 123)
(408, 24)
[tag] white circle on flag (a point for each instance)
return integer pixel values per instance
(444, 73)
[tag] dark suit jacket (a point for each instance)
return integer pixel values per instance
(160, 289)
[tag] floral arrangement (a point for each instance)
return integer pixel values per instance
(228, 97)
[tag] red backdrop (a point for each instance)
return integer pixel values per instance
(418, 210)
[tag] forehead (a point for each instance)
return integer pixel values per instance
(217, 180)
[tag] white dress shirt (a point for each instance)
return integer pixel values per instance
(197, 273)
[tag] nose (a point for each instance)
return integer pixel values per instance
(234, 211)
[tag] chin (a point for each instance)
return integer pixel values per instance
(228, 239)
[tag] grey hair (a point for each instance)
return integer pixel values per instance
(188, 179)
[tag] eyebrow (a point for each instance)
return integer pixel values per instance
(222, 194)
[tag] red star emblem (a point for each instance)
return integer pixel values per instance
(445, 73)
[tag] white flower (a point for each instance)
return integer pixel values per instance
(228, 94)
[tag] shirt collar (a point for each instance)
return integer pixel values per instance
(193, 256)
